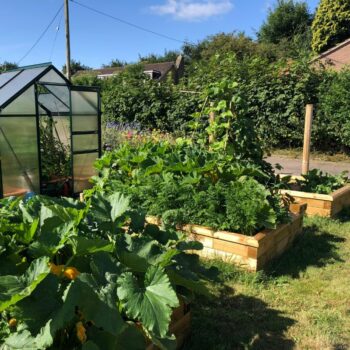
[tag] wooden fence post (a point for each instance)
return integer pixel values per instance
(307, 139)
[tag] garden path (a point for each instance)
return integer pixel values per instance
(293, 166)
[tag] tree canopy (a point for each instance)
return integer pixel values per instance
(7, 66)
(285, 20)
(75, 66)
(331, 24)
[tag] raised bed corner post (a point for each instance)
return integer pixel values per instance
(307, 139)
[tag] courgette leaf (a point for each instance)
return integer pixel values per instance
(151, 301)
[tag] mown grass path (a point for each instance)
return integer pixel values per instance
(301, 302)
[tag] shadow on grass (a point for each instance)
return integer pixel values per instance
(344, 215)
(313, 248)
(230, 322)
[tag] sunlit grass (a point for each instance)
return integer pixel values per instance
(302, 301)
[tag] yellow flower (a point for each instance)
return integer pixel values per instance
(12, 322)
(71, 273)
(81, 332)
(56, 269)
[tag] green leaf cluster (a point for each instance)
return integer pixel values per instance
(331, 24)
(187, 182)
(90, 275)
(316, 181)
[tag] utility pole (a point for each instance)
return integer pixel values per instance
(66, 13)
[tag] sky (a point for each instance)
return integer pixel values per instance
(96, 39)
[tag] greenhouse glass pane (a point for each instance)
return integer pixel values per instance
(85, 123)
(19, 155)
(52, 77)
(55, 153)
(61, 92)
(85, 142)
(83, 170)
(18, 83)
(24, 104)
(5, 77)
(84, 102)
(53, 104)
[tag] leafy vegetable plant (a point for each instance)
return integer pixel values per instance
(90, 275)
(186, 182)
(318, 182)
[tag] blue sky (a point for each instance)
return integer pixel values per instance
(96, 40)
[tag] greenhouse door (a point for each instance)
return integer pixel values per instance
(86, 135)
(55, 139)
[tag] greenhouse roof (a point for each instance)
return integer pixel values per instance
(14, 82)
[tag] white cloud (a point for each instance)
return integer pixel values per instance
(189, 10)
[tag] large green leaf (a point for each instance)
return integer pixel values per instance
(57, 225)
(82, 245)
(150, 301)
(15, 288)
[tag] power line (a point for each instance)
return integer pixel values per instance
(41, 35)
(131, 24)
(56, 34)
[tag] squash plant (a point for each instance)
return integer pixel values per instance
(90, 275)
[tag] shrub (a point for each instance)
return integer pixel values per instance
(331, 24)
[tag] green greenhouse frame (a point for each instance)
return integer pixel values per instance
(50, 132)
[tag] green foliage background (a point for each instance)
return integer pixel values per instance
(331, 24)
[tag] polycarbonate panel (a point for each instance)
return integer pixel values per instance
(52, 77)
(85, 123)
(83, 170)
(84, 102)
(53, 104)
(60, 92)
(62, 129)
(5, 77)
(85, 142)
(19, 155)
(55, 153)
(18, 83)
(24, 104)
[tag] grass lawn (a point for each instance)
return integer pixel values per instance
(302, 301)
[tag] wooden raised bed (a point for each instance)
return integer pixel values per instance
(251, 252)
(322, 204)
(180, 325)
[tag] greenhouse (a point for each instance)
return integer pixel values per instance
(50, 132)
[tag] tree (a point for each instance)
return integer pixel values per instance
(287, 19)
(331, 24)
(7, 66)
(168, 56)
(115, 63)
(227, 43)
(75, 66)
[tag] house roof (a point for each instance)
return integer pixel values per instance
(16, 81)
(331, 50)
(163, 68)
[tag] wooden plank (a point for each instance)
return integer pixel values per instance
(344, 191)
(300, 194)
(318, 211)
(230, 247)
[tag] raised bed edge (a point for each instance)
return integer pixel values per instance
(252, 252)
